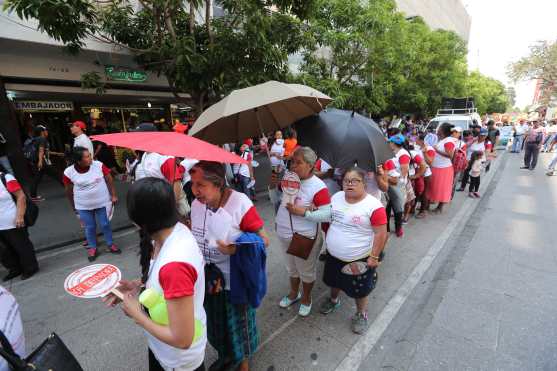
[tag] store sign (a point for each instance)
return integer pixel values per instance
(124, 74)
(43, 106)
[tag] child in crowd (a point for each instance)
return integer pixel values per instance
(475, 168)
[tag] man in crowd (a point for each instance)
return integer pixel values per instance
(493, 134)
(78, 129)
(40, 162)
(533, 143)
(518, 137)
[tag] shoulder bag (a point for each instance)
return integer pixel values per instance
(51, 355)
(300, 245)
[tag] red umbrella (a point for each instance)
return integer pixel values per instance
(170, 144)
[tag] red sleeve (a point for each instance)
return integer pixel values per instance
(431, 152)
(379, 217)
(488, 146)
(389, 165)
(106, 170)
(167, 169)
(177, 280)
(418, 159)
(13, 186)
(318, 165)
(66, 180)
(404, 159)
(251, 221)
(449, 147)
(322, 198)
(250, 157)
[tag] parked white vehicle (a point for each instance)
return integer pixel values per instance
(462, 118)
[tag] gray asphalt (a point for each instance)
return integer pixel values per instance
(510, 220)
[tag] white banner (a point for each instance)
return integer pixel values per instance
(43, 106)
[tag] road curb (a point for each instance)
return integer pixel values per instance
(360, 351)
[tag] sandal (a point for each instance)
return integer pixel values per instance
(421, 215)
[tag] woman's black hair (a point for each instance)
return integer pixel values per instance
(446, 128)
(152, 206)
(475, 156)
(422, 136)
(77, 154)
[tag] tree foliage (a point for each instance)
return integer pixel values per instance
(540, 64)
(490, 94)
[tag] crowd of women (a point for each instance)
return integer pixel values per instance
(207, 257)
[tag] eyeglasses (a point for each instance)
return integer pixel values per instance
(351, 181)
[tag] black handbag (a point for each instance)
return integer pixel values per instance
(31, 209)
(51, 355)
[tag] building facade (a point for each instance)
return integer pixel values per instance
(439, 14)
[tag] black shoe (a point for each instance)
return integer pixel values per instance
(28, 275)
(220, 365)
(323, 257)
(460, 190)
(524, 167)
(11, 275)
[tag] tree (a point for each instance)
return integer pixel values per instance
(370, 58)
(249, 45)
(540, 64)
(490, 95)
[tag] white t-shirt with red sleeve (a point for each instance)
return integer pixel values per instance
(391, 169)
(445, 146)
(177, 272)
(159, 166)
(313, 191)
(417, 159)
(243, 169)
(7, 205)
(350, 236)
(237, 216)
(90, 190)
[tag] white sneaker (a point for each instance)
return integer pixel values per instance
(304, 310)
(285, 302)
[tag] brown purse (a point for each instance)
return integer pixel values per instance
(301, 246)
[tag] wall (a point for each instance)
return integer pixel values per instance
(439, 14)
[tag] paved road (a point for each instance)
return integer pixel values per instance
(103, 338)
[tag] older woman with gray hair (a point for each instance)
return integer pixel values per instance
(296, 233)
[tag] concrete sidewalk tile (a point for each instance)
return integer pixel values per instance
(482, 299)
(478, 327)
(441, 349)
(477, 276)
(504, 362)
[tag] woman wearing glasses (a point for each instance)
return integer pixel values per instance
(355, 239)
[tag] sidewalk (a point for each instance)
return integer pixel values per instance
(496, 309)
(58, 226)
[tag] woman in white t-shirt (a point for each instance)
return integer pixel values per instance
(90, 190)
(355, 239)
(18, 255)
(277, 153)
(173, 269)
(219, 216)
(312, 193)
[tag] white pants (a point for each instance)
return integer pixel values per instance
(300, 268)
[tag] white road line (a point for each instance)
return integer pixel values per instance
(359, 352)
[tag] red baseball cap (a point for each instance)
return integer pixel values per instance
(80, 124)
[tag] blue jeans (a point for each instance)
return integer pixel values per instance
(517, 143)
(90, 219)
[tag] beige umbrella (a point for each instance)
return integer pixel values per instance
(258, 109)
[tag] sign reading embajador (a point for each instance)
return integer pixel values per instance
(124, 74)
(43, 106)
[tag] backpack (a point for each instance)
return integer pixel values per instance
(31, 210)
(30, 150)
(460, 162)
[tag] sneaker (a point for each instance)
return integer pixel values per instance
(286, 301)
(550, 173)
(304, 310)
(360, 323)
(92, 254)
(399, 232)
(37, 199)
(525, 167)
(114, 250)
(460, 189)
(477, 195)
(329, 306)
(471, 195)
(404, 221)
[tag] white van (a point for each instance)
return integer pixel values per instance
(463, 118)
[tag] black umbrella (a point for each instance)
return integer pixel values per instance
(344, 138)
